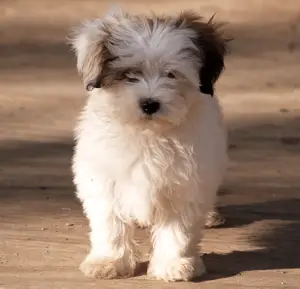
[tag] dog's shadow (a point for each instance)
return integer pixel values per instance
(221, 266)
(281, 242)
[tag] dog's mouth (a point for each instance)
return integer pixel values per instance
(157, 121)
(146, 117)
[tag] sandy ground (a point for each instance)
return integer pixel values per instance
(43, 234)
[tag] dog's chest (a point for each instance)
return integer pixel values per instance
(160, 162)
(153, 171)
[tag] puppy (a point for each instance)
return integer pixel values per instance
(150, 143)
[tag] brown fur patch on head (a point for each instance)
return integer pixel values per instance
(91, 42)
(101, 43)
(93, 57)
(92, 74)
(212, 46)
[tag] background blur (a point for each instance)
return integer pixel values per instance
(43, 234)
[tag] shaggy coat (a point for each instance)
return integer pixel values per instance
(156, 165)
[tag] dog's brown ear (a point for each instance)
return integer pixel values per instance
(88, 41)
(212, 46)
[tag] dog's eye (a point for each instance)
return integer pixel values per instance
(132, 79)
(171, 75)
(132, 76)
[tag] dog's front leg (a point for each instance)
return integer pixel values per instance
(112, 246)
(175, 255)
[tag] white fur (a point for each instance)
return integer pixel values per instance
(162, 172)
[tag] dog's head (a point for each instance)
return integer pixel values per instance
(152, 67)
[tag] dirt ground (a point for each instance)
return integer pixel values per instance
(43, 234)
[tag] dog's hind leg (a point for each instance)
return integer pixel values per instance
(214, 219)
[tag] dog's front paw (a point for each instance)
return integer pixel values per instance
(105, 268)
(181, 269)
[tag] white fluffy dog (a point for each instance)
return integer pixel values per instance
(151, 145)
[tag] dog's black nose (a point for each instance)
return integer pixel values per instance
(149, 106)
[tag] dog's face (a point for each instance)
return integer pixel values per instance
(151, 69)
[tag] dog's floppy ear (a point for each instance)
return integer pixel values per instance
(211, 45)
(89, 42)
